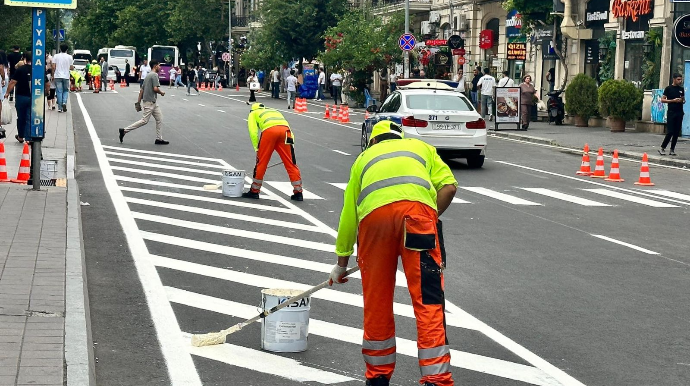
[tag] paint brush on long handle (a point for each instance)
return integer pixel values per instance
(214, 338)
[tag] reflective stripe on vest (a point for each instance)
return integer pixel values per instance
(270, 118)
(389, 156)
(378, 361)
(392, 182)
(438, 368)
(378, 344)
(435, 352)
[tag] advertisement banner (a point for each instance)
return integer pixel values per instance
(507, 105)
(658, 108)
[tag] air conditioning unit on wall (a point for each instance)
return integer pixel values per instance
(427, 28)
(462, 24)
(434, 17)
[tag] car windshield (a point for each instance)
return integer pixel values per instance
(438, 102)
(80, 62)
(122, 53)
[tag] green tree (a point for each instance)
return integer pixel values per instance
(264, 51)
(15, 27)
(531, 11)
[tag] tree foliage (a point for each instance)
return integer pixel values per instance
(532, 11)
(265, 51)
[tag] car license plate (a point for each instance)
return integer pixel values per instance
(446, 126)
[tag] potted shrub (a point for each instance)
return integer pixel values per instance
(620, 101)
(581, 99)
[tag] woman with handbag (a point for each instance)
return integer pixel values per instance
(254, 85)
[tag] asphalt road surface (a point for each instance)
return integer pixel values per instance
(552, 279)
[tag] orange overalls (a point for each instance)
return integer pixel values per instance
(275, 138)
(407, 229)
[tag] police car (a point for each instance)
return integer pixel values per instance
(434, 113)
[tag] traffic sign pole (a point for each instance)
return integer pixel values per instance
(38, 66)
(406, 54)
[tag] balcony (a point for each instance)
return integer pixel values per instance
(382, 7)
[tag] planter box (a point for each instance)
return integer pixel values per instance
(650, 127)
(597, 122)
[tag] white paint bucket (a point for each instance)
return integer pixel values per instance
(233, 183)
(285, 330)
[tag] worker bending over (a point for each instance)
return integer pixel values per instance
(397, 189)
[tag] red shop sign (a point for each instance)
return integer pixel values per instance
(459, 51)
(436, 42)
(631, 8)
(486, 39)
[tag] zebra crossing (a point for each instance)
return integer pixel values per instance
(213, 255)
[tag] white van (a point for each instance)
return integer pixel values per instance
(81, 57)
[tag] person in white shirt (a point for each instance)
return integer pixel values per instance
(336, 83)
(393, 81)
(173, 77)
(62, 65)
(322, 83)
(275, 80)
(487, 84)
(506, 81)
(460, 78)
(144, 70)
(291, 87)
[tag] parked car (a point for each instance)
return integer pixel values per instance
(436, 115)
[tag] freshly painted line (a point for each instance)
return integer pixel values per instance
(168, 175)
(172, 155)
(406, 347)
(631, 198)
(221, 111)
(217, 173)
(587, 181)
(137, 156)
(339, 185)
(668, 193)
(286, 189)
(499, 196)
(179, 362)
(564, 197)
(459, 201)
(185, 99)
(635, 247)
(341, 152)
(264, 195)
(223, 214)
(202, 105)
(221, 201)
(235, 232)
(263, 362)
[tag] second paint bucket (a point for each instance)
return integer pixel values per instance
(233, 183)
(287, 329)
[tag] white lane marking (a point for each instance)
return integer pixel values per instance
(341, 152)
(168, 175)
(286, 189)
(564, 197)
(631, 198)
(264, 195)
(459, 201)
(339, 185)
(202, 105)
(185, 99)
(248, 279)
(259, 361)
(406, 347)
(499, 196)
(218, 173)
(221, 111)
(220, 201)
(587, 181)
(668, 193)
(635, 247)
(179, 362)
(172, 155)
(223, 214)
(235, 232)
(137, 156)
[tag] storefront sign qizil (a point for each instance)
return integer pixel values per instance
(517, 51)
(631, 9)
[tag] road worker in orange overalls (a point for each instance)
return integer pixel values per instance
(398, 187)
(270, 131)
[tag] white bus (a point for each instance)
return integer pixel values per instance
(81, 58)
(118, 55)
(168, 57)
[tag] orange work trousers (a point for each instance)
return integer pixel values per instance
(97, 82)
(274, 139)
(407, 229)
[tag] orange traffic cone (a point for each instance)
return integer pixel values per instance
(345, 115)
(111, 85)
(213, 87)
(334, 112)
(24, 166)
(599, 171)
(615, 174)
(237, 87)
(202, 87)
(366, 116)
(340, 113)
(327, 114)
(122, 83)
(220, 87)
(645, 180)
(304, 105)
(3, 164)
(584, 167)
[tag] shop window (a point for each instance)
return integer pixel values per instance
(446, 31)
(634, 59)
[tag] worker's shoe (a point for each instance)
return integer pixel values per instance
(429, 384)
(250, 194)
(297, 197)
(378, 381)
(122, 134)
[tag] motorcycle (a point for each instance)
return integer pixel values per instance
(555, 107)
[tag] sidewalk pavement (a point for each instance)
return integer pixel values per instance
(44, 321)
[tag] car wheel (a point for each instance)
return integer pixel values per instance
(364, 141)
(475, 162)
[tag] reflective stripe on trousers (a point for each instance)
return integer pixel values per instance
(256, 185)
(297, 186)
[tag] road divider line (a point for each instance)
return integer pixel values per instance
(631, 198)
(341, 152)
(221, 111)
(635, 247)
(565, 197)
(406, 347)
(172, 155)
(339, 185)
(499, 196)
(164, 167)
(459, 201)
(202, 105)
(137, 156)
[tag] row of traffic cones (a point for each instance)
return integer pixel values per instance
(342, 115)
(614, 174)
(300, 105)
(24, 166)
(212, 87)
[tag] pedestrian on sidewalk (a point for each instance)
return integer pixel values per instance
(191, 80)
(269, 131)
(148, 94)
(13, 58)
(397, 190)
(291, 86)
(487, 83)
(275, 82)
(475, 87)
(527, 96)
(63, 63)
(51, 89)
(144, 70)
(322, 84)
(337, 83)
(285, 72)
(506, 80)
(393, 80)
(173, 76)
(4, 82)
(674, 96)
(253, 84)
(21, 85)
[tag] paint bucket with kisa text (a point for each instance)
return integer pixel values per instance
(233, 183)
(287, 329)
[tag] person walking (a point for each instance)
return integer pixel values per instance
(321, 83)
(397, 190)
(173, 77)
(4, 82)
(285, 72)
(148, 94)
(475, 87)
(104, 73)
(144, 70)
(201, 76)
(269, 131)
(674, 96)
(51, 88)
(178, 77)
(128, 68)
(95, 70)
(506, 81)
(460, 78)
(291, 87)
(527, 95)
(253, 84)
(63, 63)
(275, 83)
(13, 58)
(336, 84)
(21, 85)
(393, 81)
(486, 85)
(191, 80)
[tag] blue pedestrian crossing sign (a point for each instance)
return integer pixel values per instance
(62, 35)
(70, 4)
(407, 42)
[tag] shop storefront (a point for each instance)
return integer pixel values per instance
(596, 15)
(636, 15)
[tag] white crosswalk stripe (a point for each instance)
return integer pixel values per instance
(565, 197)
(499, 196)
(286, 189)
(631, 198)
